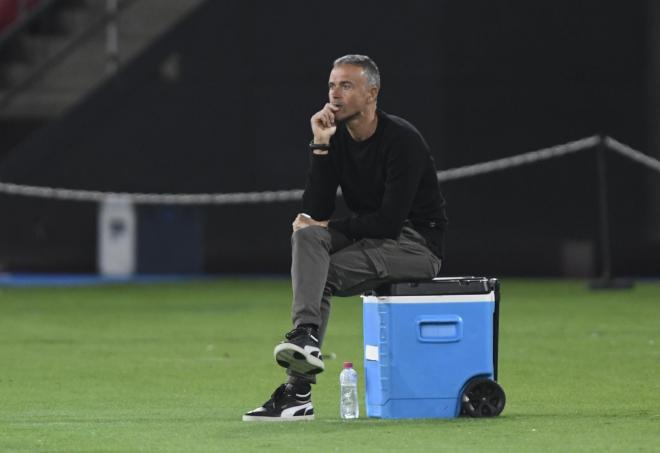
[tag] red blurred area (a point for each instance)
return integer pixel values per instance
(10, 10)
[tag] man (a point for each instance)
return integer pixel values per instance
(388, 180)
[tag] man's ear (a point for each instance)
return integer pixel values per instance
(373, 94)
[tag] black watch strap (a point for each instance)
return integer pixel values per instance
(321, 146)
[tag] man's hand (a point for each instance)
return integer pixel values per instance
(323, 124)
(303, 221)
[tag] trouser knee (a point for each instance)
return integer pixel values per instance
(311, 236)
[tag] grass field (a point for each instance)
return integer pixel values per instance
(173, 367)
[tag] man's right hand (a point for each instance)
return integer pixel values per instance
(323, 124)
(304, 220)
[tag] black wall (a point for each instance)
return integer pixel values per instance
(479, 79)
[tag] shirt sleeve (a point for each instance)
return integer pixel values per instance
(320, 188)
(405, 163)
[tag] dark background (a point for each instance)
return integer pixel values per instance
(480, 80)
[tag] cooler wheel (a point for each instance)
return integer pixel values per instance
(483, 398)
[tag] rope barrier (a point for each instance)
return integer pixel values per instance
(627, 151)
(296, 194)
(519, 159)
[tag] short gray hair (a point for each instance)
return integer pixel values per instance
(369, 67)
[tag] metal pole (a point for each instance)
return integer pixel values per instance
(112, 38)
(605, 281)
(603, 214)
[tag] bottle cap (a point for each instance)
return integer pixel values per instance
(348, 364)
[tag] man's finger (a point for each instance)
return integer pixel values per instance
(330, 109)
(331, 118)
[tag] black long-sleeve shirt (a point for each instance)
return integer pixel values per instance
(386, 180)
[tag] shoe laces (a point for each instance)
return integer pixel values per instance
(298, 331)
(280, 393)
(276, 396)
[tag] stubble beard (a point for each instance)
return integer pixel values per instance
(350, 118)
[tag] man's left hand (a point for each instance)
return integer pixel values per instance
(303, 221)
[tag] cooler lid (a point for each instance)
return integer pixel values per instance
(437, 286)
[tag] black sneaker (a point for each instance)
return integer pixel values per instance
(284, 405)
(300, 351)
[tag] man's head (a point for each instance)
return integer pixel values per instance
(353, 86)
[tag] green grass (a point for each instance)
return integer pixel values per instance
(173, 367)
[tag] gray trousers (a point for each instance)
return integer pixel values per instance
(326, 263)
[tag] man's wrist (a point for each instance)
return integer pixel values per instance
(321, 141)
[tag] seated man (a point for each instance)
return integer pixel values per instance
(388, 180)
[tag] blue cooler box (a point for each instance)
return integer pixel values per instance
(423, 341)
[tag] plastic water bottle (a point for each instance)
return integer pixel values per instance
(348, 403)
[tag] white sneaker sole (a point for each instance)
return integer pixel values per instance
(295, 358)
(255, 418)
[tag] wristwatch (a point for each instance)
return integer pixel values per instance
(321, 146)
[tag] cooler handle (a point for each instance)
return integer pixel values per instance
(439, 329)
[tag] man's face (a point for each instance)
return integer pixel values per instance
(348, 90)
